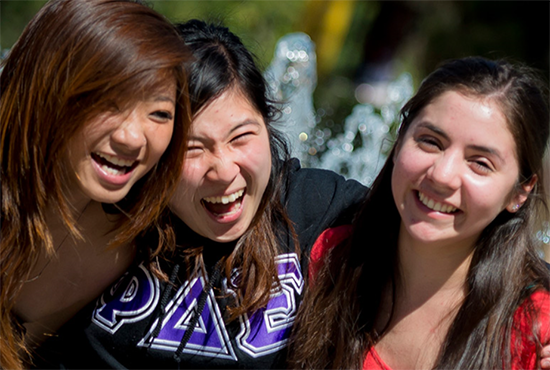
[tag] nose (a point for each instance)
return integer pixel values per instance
(223, 168)
(130, 134)
(445, 171)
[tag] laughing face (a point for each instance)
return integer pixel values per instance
(455, 170)
(226, 169)
(114, 150)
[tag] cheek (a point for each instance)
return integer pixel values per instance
(181, 202)
(397, 184)
(263, 164)
(78, 150)
(159, 138)
(191, 175)
(406, 167)
(485, 194)
(258, 151)
(407, 172)
(257, 159)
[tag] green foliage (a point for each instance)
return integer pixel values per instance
(258, 23)
(14, 16)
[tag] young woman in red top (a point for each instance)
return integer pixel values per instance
(440, 269)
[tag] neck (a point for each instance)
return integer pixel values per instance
(429, 269)
(56, 223)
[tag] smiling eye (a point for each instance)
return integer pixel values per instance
(428, 143)
(481, 167)
(242, 137)
(163, 116)
(194, 148)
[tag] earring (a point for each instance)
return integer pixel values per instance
(515, 207)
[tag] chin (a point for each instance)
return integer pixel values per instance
(226, 238)
(109, 197)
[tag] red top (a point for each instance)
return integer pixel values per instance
(523, 343)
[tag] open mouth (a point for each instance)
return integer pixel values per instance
(224, 205)
(114, 165)
(436, 206)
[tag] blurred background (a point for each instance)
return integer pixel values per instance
(357, 46)
(358, 41)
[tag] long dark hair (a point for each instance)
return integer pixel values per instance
(221, 62)
(74, 61)
(335, 325)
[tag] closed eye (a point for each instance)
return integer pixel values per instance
(194, 148)
(193, 152)
(242, 138)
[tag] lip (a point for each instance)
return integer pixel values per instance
(111, 179)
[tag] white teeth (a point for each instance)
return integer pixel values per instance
(115, 160)
(436, 206)
(226, 198)
(112, 171)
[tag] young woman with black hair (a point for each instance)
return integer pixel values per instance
(440, 270)
(245, 217)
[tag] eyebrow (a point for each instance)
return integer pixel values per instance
(481, 148)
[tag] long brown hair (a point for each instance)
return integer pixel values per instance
(335, 324)
(221, 62)
(74, 61)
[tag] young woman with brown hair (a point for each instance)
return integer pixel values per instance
(93, 109)
(440, 269)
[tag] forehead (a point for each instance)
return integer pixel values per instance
(470, 119)
(230, 108)
(149, 87)
(458, 111)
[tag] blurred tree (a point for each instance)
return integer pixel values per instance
(14, 16)
(360, 41)
(449, 29)
(351, 35)
(328, 23)
(259, 23)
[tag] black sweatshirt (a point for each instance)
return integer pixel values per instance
(142, 323)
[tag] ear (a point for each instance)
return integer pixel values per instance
(521, 196)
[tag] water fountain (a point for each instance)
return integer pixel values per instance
(358, 152)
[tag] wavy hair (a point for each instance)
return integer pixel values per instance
(74, 61)
(335, 325)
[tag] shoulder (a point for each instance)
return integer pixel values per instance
(319, 180)
(535, 307)
(320, 196)
(531, 328)
(317, 199)
(328, 239)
